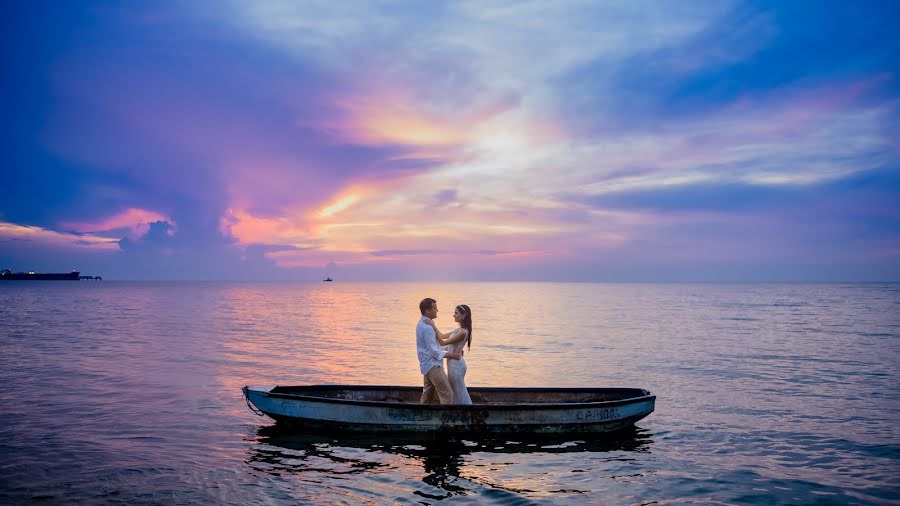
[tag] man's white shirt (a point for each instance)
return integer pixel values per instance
(430, 352)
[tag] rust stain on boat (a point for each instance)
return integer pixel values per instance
(473, 419)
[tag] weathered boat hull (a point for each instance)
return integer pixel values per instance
(496, 410)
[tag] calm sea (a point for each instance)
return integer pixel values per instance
(766, 393)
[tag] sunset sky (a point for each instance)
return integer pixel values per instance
(597, 141)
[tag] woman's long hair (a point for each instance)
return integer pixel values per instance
(466, 323)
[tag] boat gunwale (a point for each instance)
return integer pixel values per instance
(480, 407)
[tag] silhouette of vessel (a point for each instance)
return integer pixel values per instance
(45, 276)
(8, 274)
(327, 279)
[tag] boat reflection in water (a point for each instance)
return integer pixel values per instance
(455, 466)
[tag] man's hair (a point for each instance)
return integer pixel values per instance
(426, 304)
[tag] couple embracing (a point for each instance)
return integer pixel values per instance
(433, 346)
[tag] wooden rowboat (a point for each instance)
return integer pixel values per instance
(352, 408)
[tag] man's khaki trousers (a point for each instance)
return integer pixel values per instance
(437, 387)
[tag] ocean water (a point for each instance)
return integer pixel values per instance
(121, 392)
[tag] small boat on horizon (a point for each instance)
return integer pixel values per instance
(396, 409)
(327, 279)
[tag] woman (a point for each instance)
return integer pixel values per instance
(454, 341)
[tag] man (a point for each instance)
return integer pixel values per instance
(431, 357)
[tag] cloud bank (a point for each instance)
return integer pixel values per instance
(524, 140)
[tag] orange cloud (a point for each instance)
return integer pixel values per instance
(397, 116)
(249, 229)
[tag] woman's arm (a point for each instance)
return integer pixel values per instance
(445, 339)
(437, 333)
(460, 336)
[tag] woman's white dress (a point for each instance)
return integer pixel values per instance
(456, 372)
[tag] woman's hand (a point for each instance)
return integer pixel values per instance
(429, 321)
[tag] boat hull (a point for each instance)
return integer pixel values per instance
(393, 409)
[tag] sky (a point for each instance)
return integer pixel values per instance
(525, 141)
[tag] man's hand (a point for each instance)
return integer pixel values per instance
(453, 355)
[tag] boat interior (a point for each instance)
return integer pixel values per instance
(480, 395)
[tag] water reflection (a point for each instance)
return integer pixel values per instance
(447, 467)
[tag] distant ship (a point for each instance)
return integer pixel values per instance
(327, 279)
(69, 276)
